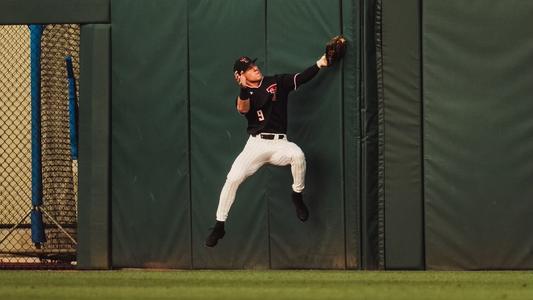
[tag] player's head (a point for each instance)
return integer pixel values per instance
(246, 66)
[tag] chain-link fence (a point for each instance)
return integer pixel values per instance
(58, 168)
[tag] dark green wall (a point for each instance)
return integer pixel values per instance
(94, 240)
(54, 11)
(435, 174)
(401, 133)
(315, 124)
(219, 32)
(176, 133)
(351, 127)
(478, 131)
(150, 178)
(372, 219)
(454, 130)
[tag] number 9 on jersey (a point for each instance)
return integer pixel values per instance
(260, 115)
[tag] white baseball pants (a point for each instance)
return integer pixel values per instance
(256, 153)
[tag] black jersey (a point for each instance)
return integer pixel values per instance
(268, 102)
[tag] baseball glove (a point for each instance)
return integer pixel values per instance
(335, 49)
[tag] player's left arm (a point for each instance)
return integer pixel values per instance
(243, 106)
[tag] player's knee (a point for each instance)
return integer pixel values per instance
(298, 157)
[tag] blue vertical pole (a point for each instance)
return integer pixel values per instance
(37, 228)
(73, 108)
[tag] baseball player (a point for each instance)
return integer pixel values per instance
(263, 102)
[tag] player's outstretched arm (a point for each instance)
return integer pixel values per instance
(310, 72)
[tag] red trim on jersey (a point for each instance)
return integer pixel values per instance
(272, 88)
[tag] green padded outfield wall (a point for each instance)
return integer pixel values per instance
(372, 219)
(478, 129)
(350, 15)
(94, 238)
(172, 74)
(401, 115)
(150, 143)
(296, 34)
(262, 230)
(54, 11)
(219, 33)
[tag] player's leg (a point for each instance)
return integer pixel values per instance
(247, 163)
(289, 153)
(253, 156)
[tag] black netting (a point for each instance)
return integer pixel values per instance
(59, 192)
(59, 170)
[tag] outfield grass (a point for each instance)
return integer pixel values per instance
(264, 285)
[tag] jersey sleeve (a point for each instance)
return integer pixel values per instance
(287, 82)
(291, 82)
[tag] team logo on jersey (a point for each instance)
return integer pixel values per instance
(272, 89)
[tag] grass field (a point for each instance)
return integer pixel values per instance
(133, 284)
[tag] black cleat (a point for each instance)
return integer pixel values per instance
(217, 233)
(301, 210)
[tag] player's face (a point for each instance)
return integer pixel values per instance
(253, 74)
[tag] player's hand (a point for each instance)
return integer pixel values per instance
(240, 78)
(322, 62)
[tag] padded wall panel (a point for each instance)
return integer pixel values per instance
(220, 32)
(94, 240)
(296, 34)
(351, 18)
(401, 134)
(54, 11)
(478, 66)
(150, 142)
(372, 206)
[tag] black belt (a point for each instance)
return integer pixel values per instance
(269, 136)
